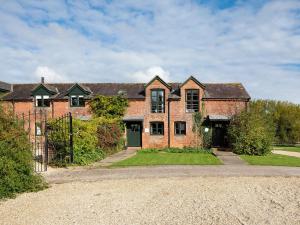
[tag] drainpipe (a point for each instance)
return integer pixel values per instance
(169, 141)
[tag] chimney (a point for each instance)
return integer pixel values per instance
(42, 80)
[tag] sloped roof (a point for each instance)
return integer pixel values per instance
(50, 88)
(225, 91)
(5, 86)
(132, 90)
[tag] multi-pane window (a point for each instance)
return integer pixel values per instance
(180, 128)
(42, 101)
(157, 101)
(192, 100)
(157, 128)
(77, 101)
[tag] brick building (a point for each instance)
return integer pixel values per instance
(160, 114)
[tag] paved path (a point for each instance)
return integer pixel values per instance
(229, 158)
(96, 174)
(295, 154)
(116, 157)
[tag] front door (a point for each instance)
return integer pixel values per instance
(134, 134)
(219, 135)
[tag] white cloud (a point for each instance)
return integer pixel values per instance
(121, 41)
(146, 75)
(49, 74)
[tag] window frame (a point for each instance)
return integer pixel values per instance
(157, 103)
(180, 131)
(40, 126)
(78, 101)
(157, 123)
(42, 98)
(192, 102)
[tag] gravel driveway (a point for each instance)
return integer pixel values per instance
(184, 200)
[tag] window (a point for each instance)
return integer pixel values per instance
(180, 128)
(42, 101)
(157, 128)
(77, 101)
(38, 129)
(192, 100)
(157, 101)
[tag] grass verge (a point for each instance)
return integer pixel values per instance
(272, 160)
(166, 158)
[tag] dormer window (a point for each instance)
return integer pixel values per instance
(42, 101)
(77, 101)
(157, 101)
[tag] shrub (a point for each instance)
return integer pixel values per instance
(251, 133)
(16, 161)
(109, 106)
(85, 143)
(110, 135)
(86, 149)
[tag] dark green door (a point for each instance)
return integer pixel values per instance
(134, 131)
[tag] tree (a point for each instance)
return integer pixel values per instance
(251, 133)
(285, 116)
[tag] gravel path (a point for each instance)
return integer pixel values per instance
(97, 174)
(184, 200)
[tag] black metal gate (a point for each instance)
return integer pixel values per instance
(51, 140)
(59, 140)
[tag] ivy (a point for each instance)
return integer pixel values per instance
(109, 106)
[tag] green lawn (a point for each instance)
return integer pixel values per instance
(165, 158)
(272, 160)
(287, 148)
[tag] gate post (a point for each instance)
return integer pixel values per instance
(71, 137)
(46, 143)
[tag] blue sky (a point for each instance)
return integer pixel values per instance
(256, 42)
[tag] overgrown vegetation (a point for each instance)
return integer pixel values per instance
(110, 107)
(284, 115)
(96, 138)
(267, 122)
(16, 161)
(251, 133)
(203, 137)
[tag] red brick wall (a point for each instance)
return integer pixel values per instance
(152, 141)
(178, 113)
(142, 108)
(224, 107)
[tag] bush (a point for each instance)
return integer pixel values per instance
(110, 135)
(86, 149)
(251, 133)
(109, 106)
(85, 143)
(286, 117)
(16, 161)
